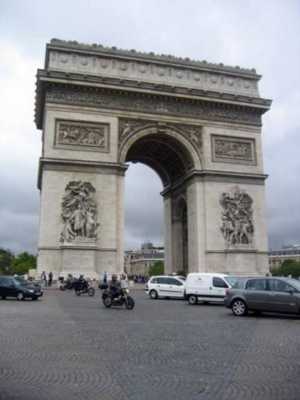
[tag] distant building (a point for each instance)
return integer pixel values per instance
(138, 262)
(277, 257)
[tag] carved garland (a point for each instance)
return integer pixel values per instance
(237, 218)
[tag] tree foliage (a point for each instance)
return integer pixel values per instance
(16, 264)
(23, 262)
(157, 268)
(287, 268)
(6, 258)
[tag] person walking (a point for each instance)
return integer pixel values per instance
(44, 278)
(50, 278)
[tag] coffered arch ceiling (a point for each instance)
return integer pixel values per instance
(164, 154)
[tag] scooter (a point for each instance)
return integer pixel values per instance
(122, 300)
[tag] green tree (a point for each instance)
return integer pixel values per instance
(22, 263)
(288, 267)
(6, 258)
(157, 268)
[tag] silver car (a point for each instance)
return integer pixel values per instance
(270, 294)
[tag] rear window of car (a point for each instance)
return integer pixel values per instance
(162, 280)
(277, 285)
(173, 281)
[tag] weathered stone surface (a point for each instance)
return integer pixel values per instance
(198, 125)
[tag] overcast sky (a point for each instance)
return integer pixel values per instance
(260, 34)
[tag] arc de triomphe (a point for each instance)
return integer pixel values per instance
(198, 125)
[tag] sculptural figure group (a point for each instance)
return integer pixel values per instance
(237, 222)
(79, 212)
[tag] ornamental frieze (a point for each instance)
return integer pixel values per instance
(82, 134)
(157, 73)
(233, 149)
(237, 218)
(154, 104)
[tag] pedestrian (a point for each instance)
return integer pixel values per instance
(105, 278)
(44, 278)
(50, 278)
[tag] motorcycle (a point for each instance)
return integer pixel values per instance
(83, 288)
(122, 299)
(67, 285)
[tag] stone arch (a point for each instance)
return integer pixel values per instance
(162, 148)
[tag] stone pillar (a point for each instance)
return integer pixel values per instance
(168, 234)
(196, 226)
(177, 245)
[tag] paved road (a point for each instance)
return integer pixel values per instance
(67, 347)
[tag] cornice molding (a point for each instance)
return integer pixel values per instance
(59, 164)
(210, 108)
(216, 176)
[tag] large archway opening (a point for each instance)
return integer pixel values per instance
(172, 162)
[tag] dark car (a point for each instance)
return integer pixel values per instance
(10, 287)
(270, 294)
(36, 285)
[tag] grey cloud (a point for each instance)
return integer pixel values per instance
(256, 34)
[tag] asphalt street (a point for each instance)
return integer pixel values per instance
(67, 347)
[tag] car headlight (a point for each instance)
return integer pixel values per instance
(30, 291)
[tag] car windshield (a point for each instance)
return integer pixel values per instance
(232, 280)
(17, 282)
(20, 279)
(294, 282)
(239, 283)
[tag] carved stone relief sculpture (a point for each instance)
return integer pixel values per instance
(237, 218)
(82, 134)
(79, 213)
(231, 149)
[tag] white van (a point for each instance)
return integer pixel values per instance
(206, 287)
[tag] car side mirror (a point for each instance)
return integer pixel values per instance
(291, 291)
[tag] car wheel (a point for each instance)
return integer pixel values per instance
(34, 298)
(239, 308)
(192, 299)
(20, 296)
(3, 297)
(153, 294)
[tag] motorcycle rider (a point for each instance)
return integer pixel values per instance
(114, 286)
(124, 282)
(82, 283)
